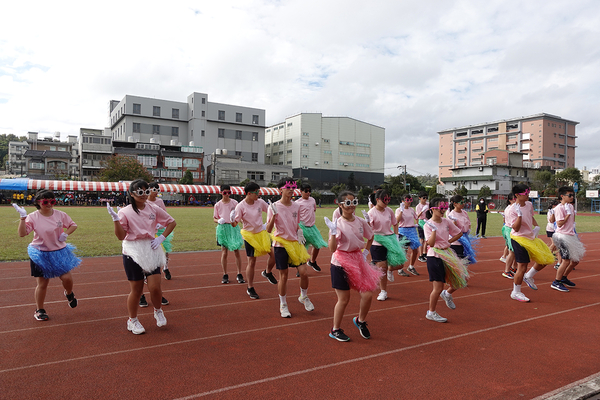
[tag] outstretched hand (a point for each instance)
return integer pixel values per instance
(331, 225)
(113, 214)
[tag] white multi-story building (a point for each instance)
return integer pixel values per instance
(197, 122)
(95, 146)
(326, 150)
(17, 164)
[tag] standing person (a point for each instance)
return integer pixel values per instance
(482, 210)
(386, 252)
(288, 240)
(228, 237)
(569, 246)
(372, 201)
(525, 244)
(510, 265)
(349, 267)
(308, 209)
(143, 256)
(407, 228)
(49, 254)
(443, 264)
(256, 239)
(465, 246)
(551, 228)
(421, 209)
(166, 244)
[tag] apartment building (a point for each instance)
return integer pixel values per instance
(95, 146)
(545, 140)
(17, 163)
(326, 150)
(49, 158)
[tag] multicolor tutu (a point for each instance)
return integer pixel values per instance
(457, 269)
(362, 276)
(229, 237)
(54, 263)
(261, 242)
(313, 236)
(395, 249)
(412, 235)
(166, 244)
(297, 254)
(537, 249)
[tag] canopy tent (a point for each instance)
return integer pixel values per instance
(85, 186)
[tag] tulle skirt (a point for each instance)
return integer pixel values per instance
(421, 223)
(54, 263)
(166, 244)
(569, 245)
(297, 254)
(261, 242)
(470, 245)
(537, 249)
(313, 236)
(395, 249)
(457, 270)
(141, 252)
(412, 235)
(506, 235)
(362, 276)
(229, 237)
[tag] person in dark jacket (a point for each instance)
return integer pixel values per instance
(482, 211)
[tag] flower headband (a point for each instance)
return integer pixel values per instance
(443, 205)
(525, 193)
(290, 185)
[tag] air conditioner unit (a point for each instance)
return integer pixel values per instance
(317, 143)
(268, 154)
(345, 164)
(316, 163)
(481, 168)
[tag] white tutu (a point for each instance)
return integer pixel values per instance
(143, 255)
(569, 245)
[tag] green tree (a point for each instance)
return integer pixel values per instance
(337, 189)
(485, 192)
(568, 177)
(187, 179)
(123, 168)
(351, 182)
(461, 191)
(543, 180)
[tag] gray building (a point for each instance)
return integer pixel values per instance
(17, 164)
(95, 146)
(50, 158)
(232, 169)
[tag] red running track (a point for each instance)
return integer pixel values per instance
(220, 344)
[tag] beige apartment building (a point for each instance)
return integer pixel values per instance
(545, 140)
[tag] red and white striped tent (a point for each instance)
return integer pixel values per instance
(84, 186)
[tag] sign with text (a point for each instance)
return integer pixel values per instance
(533, 194)
(591, 194)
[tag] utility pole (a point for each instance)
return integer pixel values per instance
(404, 167)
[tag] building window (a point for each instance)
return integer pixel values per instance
(175, 113)
(254, 156)
(238, 153)
(289, 151)
(305, 156)
(289, 141)
(156, 129)
(289, 162)
(255, 175)
(202, 133)
(196, 175)
(191, 163)
(137, 108)
(156, 111)
(174, 131)
(147, 161)
(238, 117)
(221, 133)
(325, 140)
(203, 100)
(304, 133)
(173, 162)
(203, 113)
(255, 136)
(136, 127)
(238, 135)
(221, 115)
(255, 119)
(327, 151)
(304, 144)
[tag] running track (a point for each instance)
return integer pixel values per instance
(220, 344)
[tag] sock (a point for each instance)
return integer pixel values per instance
(282, 299)
(133, 319)
(410, 267)
(516, 288)
(303, 292)
(444, 292)
(531, 273)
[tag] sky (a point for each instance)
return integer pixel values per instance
(411, 67)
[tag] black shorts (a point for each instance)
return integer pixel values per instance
(36, 271)
(339, 279)
(563, 250)
(378, 253)
(421, 232)
(521, 254)
(249, 249)
(435, 267)
(459, 250)
(134, 272)
(549, 234)
(281, 258)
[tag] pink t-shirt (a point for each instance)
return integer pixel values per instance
(308, 208)
(158, 202)
(382, 222)
(47, 229)
(409, 217)
(526, 229)
(550, 225)
(286, 221)
(251, 215)
(223, 210)
(509, 219)
(143, 225)
(351, 235)
(420, 208)
(462, 220)
(560, 213)
(445, 230)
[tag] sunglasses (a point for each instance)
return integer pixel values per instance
(349, 203)
(141, 192)
(307, 190)
(45, 202)
(290, 186)
(155, 189)
(408, 200)
(569, 195)
(525, 193)
(226, 192)
(256, 192)
(461, 202)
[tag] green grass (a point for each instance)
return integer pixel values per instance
(195, 229)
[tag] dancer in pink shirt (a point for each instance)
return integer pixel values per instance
(228, 237)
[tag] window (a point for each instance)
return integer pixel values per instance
(52, 148)
(345, 153)
(203, 100)
(347, 143)
(363, 155)
(173, 162)
(238, 153)
(255, 175)
(137, 127)
(221, 115)
(156, 111)
(275, 176)
(255, 136)
(174, 131)
(191, 163)
(304, 144)
(327, 151)
(238, 117)
(254, 156)
(175, 113)
(255, 119)
(147, 161)
(35, 165)
(238, 135)
(195, 175)
(289, 140)
(304, 155)
(363, 144)
(203, 113)
(137, 108)
(202, 133)
(221, 132)
(325, 140)
(289, 162)
(304, 133)
(156, 129)
(289, 151)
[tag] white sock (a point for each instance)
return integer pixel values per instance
(303, 292)
(531, 273)
(410, 267)
(282, 299)
(133, 319)
(516, 288)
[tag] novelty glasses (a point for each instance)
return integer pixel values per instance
(290, 185)
(45, 202)
(349, 203)
(226, 192)
(141, 192)
(525, 193)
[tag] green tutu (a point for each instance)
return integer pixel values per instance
(166, 244)
(506, 234)
(229, 237)
(395, 249)
(313, 236)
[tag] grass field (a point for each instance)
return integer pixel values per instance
(195, 229)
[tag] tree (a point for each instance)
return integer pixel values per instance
(543, 180)
(123, 168)
(461, 191)
(568, 177)
(351, 182)
(337, 189)
(485, 192)
(187, 179)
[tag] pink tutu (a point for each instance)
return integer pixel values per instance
(362, 276)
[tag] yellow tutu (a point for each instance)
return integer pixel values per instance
(537, 249)
(260, 242)
(297, 254)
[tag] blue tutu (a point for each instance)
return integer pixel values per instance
(412, 235)
(469, 244)
(54, 263)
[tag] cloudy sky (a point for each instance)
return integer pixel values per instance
(412, 67)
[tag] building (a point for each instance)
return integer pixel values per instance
(95, 146)
(545, 140)
(196, 122)
(327, 150)
(232, 170)
(49, 158)
(17, 164)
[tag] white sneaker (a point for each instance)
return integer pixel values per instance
(519, 296)
(530, 282)
(135, 326)
(285, 313)
(382, 295)
(503, 259)
(448, 299)
(160, 317)
(308, 305)
(434, 316)
(390, 275)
